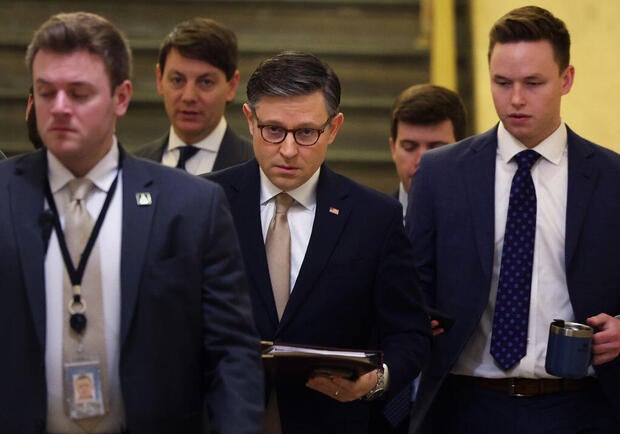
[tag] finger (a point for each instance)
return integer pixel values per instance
(438, 331)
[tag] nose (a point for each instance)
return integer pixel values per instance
(516, 97)
(288, 148)
(189, 92)
(61, 103)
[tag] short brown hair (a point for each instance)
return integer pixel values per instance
(203, 39)
(532, 23)
(427, 104)
(69, 32)
(294, 73)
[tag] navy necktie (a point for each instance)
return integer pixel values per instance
(185, 153)
(512, 306)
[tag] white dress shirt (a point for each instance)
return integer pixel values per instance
(204, 159)
(300, 216)
(549, 292)
(403, 198)
(109, 240)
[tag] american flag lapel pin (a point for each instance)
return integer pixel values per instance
(334, 211)
(144, 198)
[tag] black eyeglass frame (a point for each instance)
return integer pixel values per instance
(294, 131)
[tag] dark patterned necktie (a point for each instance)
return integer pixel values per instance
(512, 306)
(185, 153)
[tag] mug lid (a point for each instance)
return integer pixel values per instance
(568, 328)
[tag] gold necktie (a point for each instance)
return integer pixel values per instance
(78, 227)
(278, 248)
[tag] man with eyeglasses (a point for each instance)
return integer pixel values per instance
(348, 278)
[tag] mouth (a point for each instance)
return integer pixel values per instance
(60, 129)
(518, 117)
(189, 113)
(286, 169)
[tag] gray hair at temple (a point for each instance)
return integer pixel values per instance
(70, 32)
(293, 73)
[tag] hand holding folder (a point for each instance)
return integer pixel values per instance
(300, 362)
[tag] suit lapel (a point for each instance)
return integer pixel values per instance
(137, 221)
(478, 166)
(225, 155)
(581, 181)
(26, 204)
(332, 212)
(245, 203)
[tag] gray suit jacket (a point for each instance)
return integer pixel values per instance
(234, 149)
(451, 228)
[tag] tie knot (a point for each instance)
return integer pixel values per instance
(79, 188)
(185, 153)
(526, 159)
(283, 203)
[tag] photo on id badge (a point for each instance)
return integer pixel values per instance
(83, 390)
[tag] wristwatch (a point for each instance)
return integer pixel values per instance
(382, 383)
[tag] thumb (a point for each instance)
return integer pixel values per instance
(598, 320)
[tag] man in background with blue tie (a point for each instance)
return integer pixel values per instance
(512, 229)
(197, 77)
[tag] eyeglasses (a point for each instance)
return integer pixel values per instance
(303, 136)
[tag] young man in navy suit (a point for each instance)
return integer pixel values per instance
(505, 272)
(175, 326)
(197, 77)
(352, 283)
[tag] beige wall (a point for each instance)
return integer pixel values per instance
(592, 108)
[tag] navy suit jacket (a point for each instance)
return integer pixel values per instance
(356, 289)
(451, 226)
(233, 150)
(186, 326)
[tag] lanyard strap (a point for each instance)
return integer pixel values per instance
(76, 274)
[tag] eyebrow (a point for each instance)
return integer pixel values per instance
(72, 83)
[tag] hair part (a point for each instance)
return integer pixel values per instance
(203, 39)
(292, 73)
(427, 104)
(71, 32)
(531, 24)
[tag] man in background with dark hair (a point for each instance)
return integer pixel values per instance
(328, 260)
(512, 229)
(197, 77)
(424, 117)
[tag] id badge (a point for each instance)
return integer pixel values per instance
(82, 388)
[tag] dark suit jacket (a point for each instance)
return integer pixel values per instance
(2, 156)
(186, 325)
(356, 289)
(233, 150)
(452, 229)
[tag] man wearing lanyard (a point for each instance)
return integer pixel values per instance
(114, 269)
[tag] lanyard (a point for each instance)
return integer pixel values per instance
(78, 319)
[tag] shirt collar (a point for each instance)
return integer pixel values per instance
(102, 175)
(551, 149)
(305, 194)
(210, 143)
